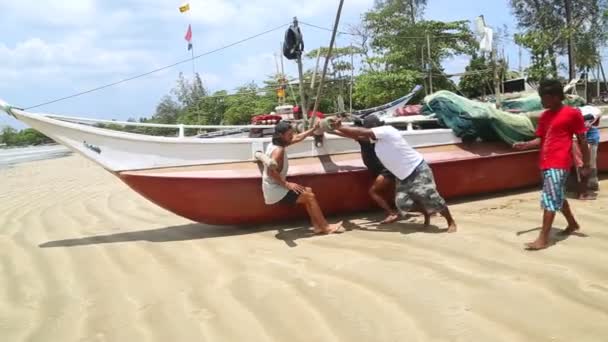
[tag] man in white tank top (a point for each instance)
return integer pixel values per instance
(276, 188)
(415, 182)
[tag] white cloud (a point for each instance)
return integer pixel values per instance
(210, 80)
(254, 67)
(230, 14)
(456, 64)
(51, 12)
(213, 12)
(62, 46)
(74, 57)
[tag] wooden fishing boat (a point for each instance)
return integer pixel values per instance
(218, 181)
(231, 194)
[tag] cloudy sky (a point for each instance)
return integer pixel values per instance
(54, 48)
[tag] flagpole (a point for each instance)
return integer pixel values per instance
(193, 66)
(191, 42)
(186, 8)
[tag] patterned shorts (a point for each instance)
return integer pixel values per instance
(420, 187)
(554, 189)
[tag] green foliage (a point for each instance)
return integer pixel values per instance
(241, 108)
(479, 77)
(408, 9)
(338, 77)
(374, 88)
(398, 46)
(8, 135)
(25, 137)
(546, 32)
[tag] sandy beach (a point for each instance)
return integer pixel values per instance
(84, 258)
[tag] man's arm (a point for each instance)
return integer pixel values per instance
(299, 137)
(348, 135)
(578, 126)
(357, 133)
(584, 146)
(526, 145)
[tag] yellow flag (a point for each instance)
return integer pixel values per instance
(184, 8)
(281, 92)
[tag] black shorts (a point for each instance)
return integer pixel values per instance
(384, 172)
(290, 198)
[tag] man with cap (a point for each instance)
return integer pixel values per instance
(414, 178)
(278, 191)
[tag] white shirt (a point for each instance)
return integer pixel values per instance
(395, 153)
(274, 192)
(595, 111)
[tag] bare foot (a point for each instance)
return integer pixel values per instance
(336, 228)
(537, 245)
(452, 228)
(587, 197)
(570, 229)
(391, 218)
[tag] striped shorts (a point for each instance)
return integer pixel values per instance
(554, 189)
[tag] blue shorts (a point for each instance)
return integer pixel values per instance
(554, 189)
(593, 136)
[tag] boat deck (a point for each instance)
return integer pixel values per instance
(333, 163)
(324, 164)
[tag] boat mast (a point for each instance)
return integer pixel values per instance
(280, 89)
(327, 58)
(352, 78)
(314, 72)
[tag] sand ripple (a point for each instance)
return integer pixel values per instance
(83, 258)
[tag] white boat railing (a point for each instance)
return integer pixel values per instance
(180, 127)
(409, 120)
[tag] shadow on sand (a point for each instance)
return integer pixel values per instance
(290, 236)
(287, 233)
(555, 235)
(193, 231)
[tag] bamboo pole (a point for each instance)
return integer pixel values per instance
(428, 46)
(303, 104)
(331, 45)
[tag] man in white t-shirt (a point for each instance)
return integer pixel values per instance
(414, 177)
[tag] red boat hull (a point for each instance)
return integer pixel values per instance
(232, 198)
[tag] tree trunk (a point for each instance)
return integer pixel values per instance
(413, 11)
(571, 57)
(553, 60)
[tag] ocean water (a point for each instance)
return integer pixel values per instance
(13, 156)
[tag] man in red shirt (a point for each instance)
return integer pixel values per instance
(556, 127)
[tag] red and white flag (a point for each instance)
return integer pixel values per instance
(188, 37)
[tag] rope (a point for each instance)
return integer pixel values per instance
(267, 89)
(328, 29)
(360, 35)
(159, 69)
